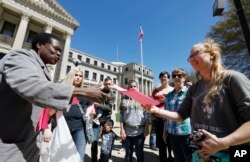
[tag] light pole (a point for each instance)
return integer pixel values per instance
(218, 8)
(243, 22)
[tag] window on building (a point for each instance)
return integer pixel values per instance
(1, 55)
(86, 74)
(95, 63)
(126, 69)
(126, 81)
(94, 76)
(139, 69)
(87, 60)
(115, 69)
(68, 69)
(147, 72)
(102, 65)
(79, 57)
(8, 29)
(70, 54)
(101, 77)
(109, 67)
(114, 81)
(31, 36)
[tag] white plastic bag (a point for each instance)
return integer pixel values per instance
(61, 146)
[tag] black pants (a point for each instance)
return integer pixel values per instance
(159, 124)
(104, 157)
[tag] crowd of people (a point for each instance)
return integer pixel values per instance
(184, 108)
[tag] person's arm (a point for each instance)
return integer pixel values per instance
(122, 130)
(174, 116)
(108, 103)
(47, 133)
(213, 144)
(92, 93)
(30, 80)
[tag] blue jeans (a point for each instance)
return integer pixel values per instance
(78, 136)
(138, 142)
(178, 144)
(152, 139)
(94, 145)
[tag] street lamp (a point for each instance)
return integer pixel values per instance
(218, 7)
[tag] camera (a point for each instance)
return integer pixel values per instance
(193, 140)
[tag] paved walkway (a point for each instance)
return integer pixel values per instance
(149, 155)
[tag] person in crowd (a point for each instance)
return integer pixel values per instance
(188, 84)
(122, 149)
(99, 113)
(74, 117)
(108, 137)
(152, 138)
(158, 123)
(218, 104)
(178, 132)
(24, 82)
(106, 107)
(133, 125)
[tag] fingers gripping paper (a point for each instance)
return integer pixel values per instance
(137, 96)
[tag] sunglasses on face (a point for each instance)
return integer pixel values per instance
(132, 86)
(177, 75)
(194, 54)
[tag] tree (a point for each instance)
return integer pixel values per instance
(227, 32)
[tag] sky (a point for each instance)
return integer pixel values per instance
(109, 30)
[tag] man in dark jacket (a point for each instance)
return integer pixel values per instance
(106, 107)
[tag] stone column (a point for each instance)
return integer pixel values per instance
(147, 92)
(20, 35)
(48, 28)
(65, 55)
(150, 88)
(1, 13)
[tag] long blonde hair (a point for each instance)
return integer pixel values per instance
(218, 72)
(69, 78)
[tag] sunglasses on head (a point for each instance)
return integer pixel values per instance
(177, 75)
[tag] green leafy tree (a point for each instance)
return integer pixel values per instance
(227, 32)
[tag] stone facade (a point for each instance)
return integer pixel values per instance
(22, 19)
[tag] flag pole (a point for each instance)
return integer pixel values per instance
(140, 40)
(142, 87)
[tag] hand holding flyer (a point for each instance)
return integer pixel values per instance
(137, 96)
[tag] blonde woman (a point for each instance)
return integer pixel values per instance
(74, 116)
(218, 104)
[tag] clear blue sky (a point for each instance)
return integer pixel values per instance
(170, 28)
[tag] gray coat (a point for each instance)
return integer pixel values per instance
(25, 82)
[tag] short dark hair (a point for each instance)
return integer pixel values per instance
(109, 122)
(42, 38)
(107, 78)
(163, 73)
(180, 70)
